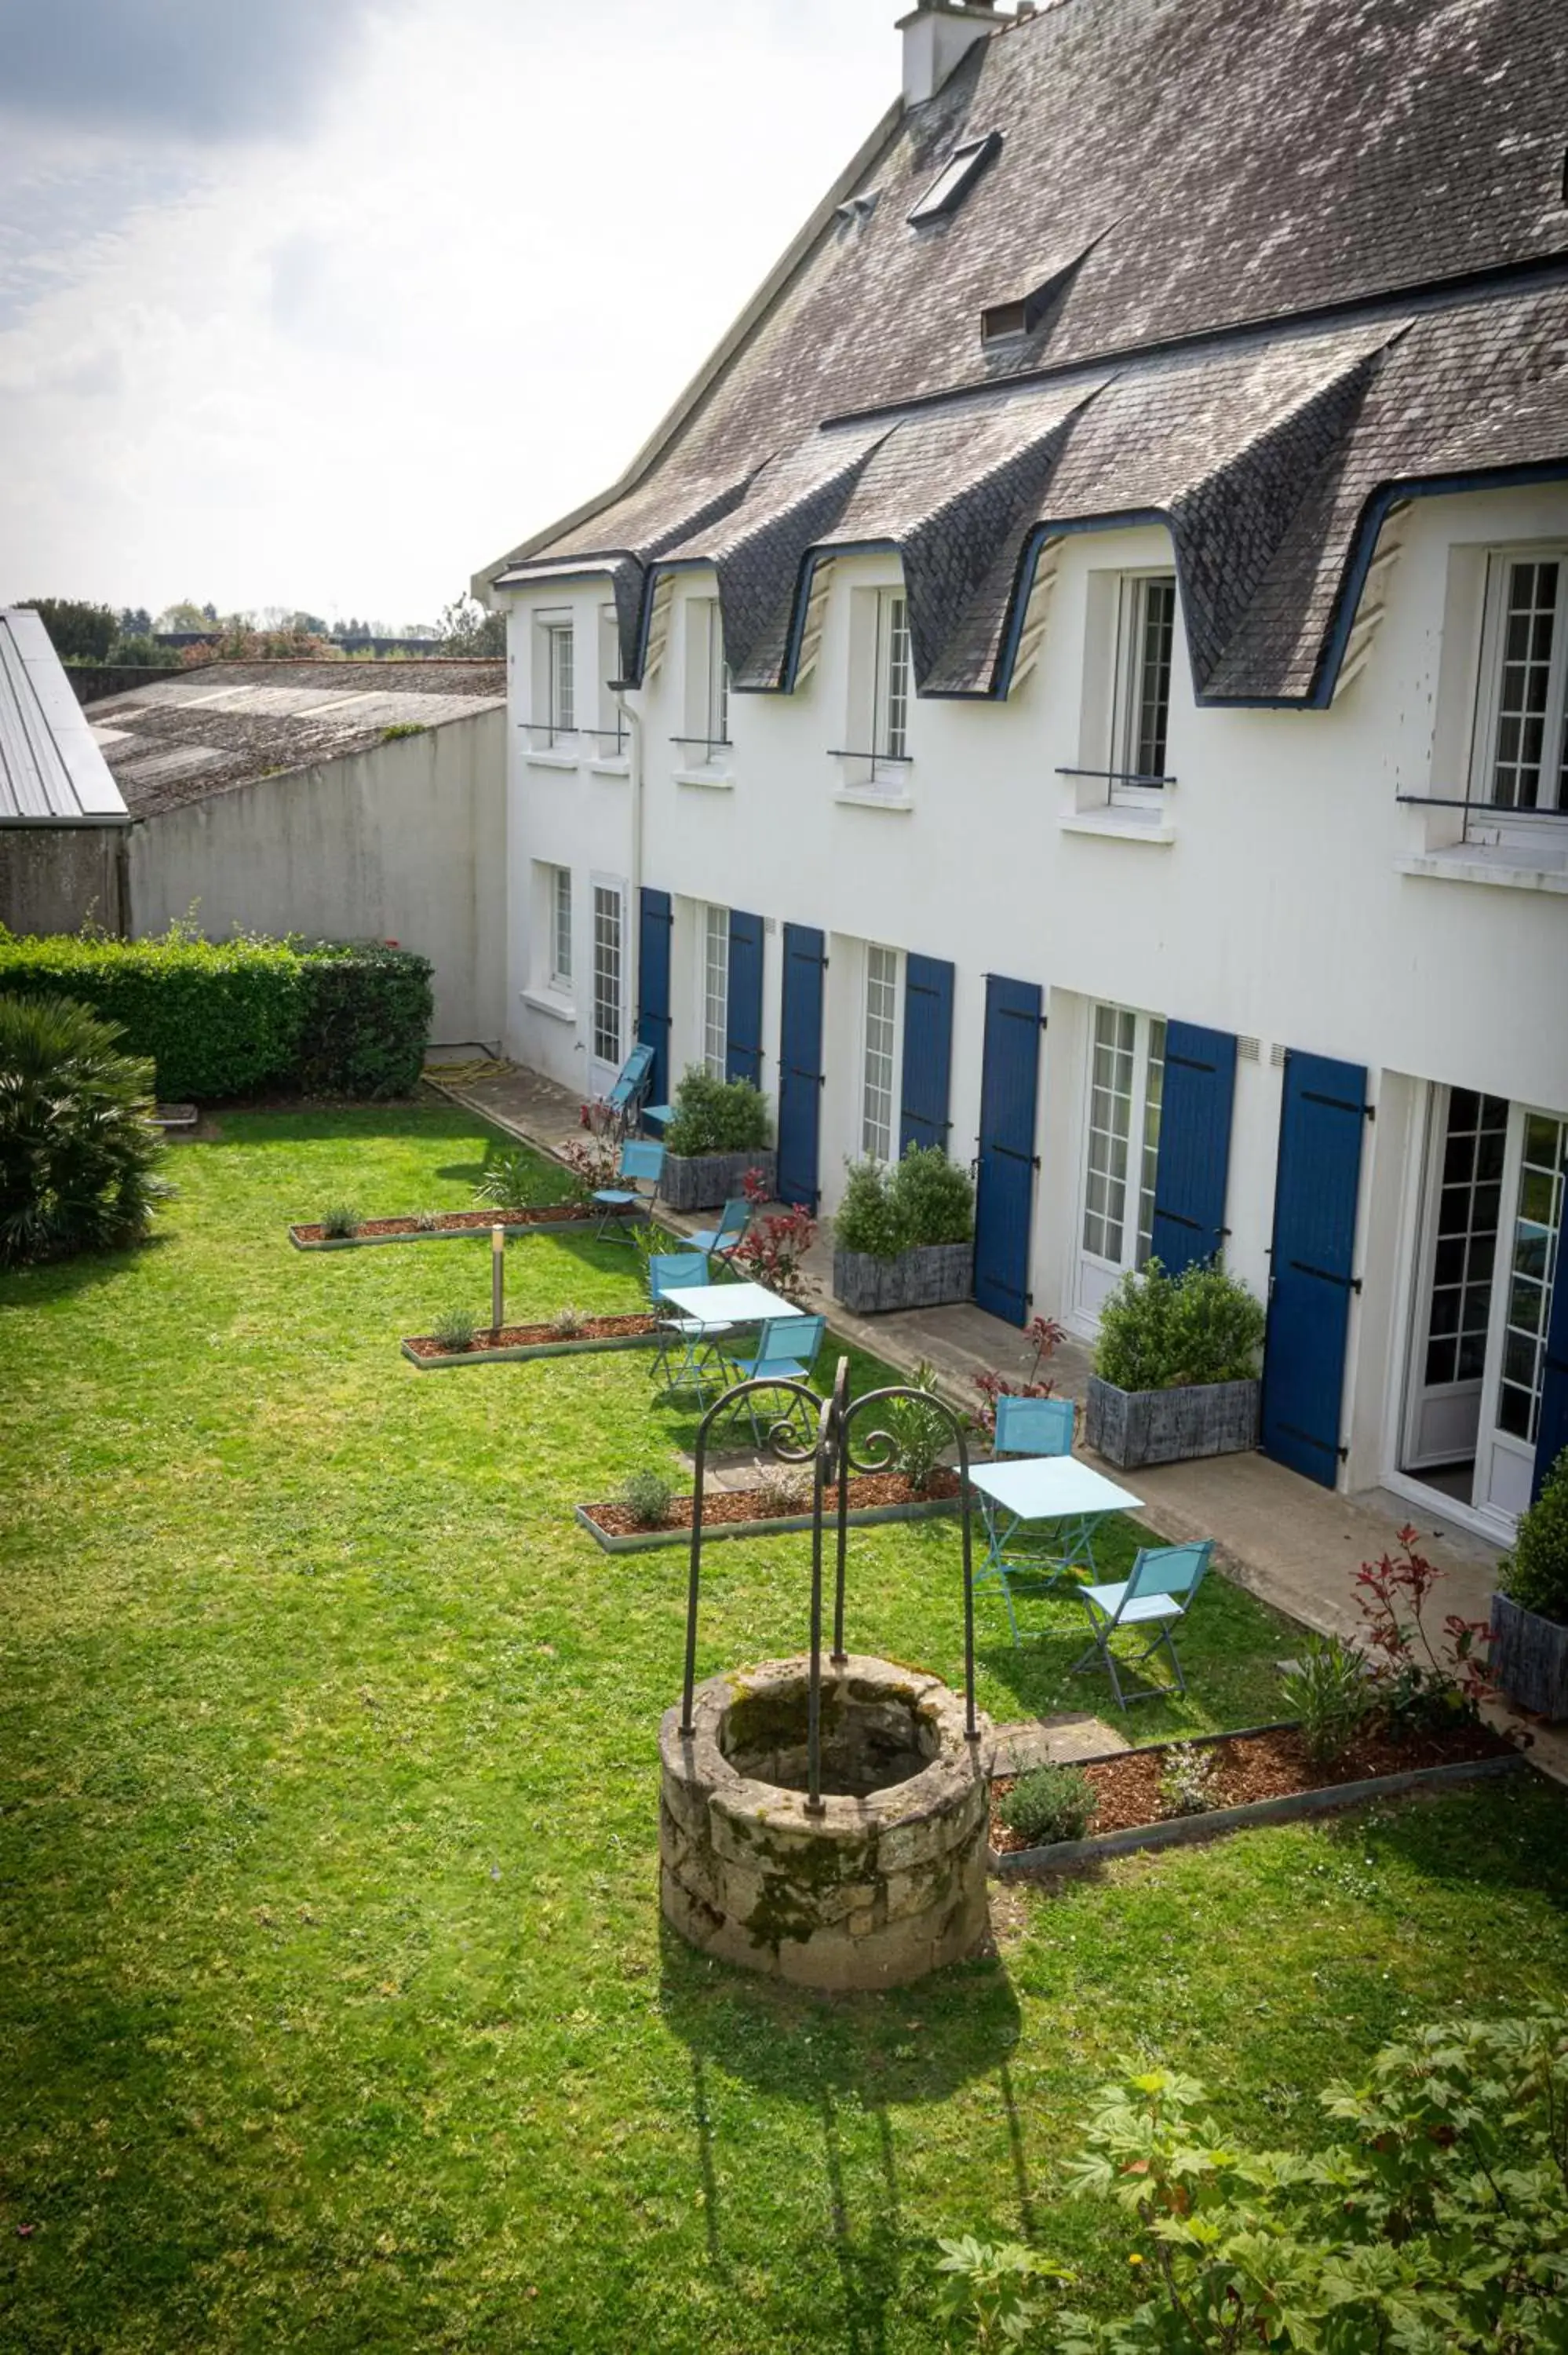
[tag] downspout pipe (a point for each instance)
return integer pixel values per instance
(633, 721)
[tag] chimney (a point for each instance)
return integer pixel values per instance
(938, 34)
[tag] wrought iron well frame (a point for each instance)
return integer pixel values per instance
(835, 1459)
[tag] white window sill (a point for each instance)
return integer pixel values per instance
(551, 759)
(709, 780)
(1118, 825)
(1473, 862)
(874, 797)
(610, 768)
(546, 1001)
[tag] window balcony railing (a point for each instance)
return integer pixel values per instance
(555, 731)
(1491, 815)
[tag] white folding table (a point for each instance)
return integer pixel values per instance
(1034, 1491)
(708, 1313)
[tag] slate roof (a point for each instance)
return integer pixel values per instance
(1286, 256)
(205, 731)
(51, 772)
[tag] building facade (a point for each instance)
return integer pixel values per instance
(1107, 714)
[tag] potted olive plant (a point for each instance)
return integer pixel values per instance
(904, 1236)
(1176, 1367)
(717, 1132)
(1530, 1610)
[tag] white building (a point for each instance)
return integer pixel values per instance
(1081, 675)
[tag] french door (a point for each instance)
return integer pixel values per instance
(1491, 1230)
(1121, 1154)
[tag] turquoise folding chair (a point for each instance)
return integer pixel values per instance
(687, 1357)
(787, 1349)
(632, 1085)
(721, 1240)
(639, 1160)
(1156, 1593)
(1027, 1555)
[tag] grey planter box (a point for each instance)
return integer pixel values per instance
(929, 1276)
(1530, 1657)
(707, 1181)
(1133, 1427)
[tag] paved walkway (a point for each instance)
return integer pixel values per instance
(1293, 1544)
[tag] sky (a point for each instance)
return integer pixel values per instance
(326, 307)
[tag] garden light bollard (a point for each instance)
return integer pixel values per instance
(497, 1278)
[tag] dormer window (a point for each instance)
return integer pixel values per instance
(956, 178)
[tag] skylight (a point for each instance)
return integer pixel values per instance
(956, 178)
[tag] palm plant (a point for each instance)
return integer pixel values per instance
(78, 1152)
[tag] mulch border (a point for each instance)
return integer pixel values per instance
(522, 1352)
(515, 1221)
(1187, 1831)
(918, 1509)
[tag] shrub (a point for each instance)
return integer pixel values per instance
(453, 1332)
(427, 1222)
(646, 1496)
(772, 1251)
(920, 1429)
(79, 1154)
(1187, 1781)
(1329, 1690)
(509, 1181)
(226, 1018)
(714, 1115)
(865, 1220)
(365, 1020)
(567, 1323)
(1051, 1804)
(933, 1199)
(783, 1488)
(1043, 1336)
(1535, 1574)
(1421, 1685)
(888, 1209)
(1160, 1331)
(341, 1221)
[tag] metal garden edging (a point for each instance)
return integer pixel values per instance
(918, 1509)
(523, 1351)
(513, 1226)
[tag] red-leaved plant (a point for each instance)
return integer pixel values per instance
(772, 1249)
(594, 1157)
(1421, 1683)
(1041, 1337)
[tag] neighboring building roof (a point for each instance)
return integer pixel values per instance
(1275, 260)
(51, 772)
(200, 732)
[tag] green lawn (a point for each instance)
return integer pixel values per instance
(335, 2008)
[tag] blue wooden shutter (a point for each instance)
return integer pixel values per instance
(800, 1064)
(1321, 1126)
(1005, 1199)
(1194, 1144)
(928, 1052)
(743, 1037)
(1552, 1432)
(655, 920)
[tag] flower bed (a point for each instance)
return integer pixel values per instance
(1257, 1776)
(313, 1236)
(750, 1512)
(491, 1345)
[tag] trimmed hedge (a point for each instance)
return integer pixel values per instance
(228, 1018)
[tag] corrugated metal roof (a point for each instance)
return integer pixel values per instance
(51, 772)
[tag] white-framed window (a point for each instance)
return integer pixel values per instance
(715, 713)
(610, 743)
(890, 704)
(559, 892)
(879, 1062)
(715, 990)
(706, 740)
(560, 680)
(1121, 1157)
(609, 957)
(1145, 632)
(1520, 761)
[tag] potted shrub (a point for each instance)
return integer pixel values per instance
(904, 1236)
(1175, 1368)
(1530, 1610)
(717, 1131)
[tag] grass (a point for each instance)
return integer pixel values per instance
(334, 2011)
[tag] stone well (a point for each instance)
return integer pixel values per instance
(886, 1883)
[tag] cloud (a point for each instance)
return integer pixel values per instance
(208, 70)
